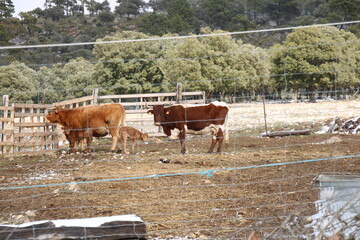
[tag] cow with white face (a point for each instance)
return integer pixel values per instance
(197, 120)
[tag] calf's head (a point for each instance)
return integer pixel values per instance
(145, 137)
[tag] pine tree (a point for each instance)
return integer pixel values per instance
(6, 8)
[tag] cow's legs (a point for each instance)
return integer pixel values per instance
(88, 136)
(72, 146)
(124, 140)
(220, 138)
(182, 141)
(115, 136)
(133, 142)
(214, 140)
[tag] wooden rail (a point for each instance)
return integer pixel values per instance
(136, 103)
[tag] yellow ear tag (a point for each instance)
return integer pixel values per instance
(167, 112)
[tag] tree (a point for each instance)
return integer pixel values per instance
(78, 76)
(17, 81)
(283, 10)
(129, 7)
(97, 7)
(159, 5)
(54, 13)
(38, 12)
(154, 24)
(91, 6)
(346, 9)
(316, 58)
(218, 65)
(106, 16)
(51, 86)
(255, 7)
(128, 67)
(181, 17)
(7, 8)
(29, 20)
(219, 13)
(10, 28)
(4, 37)
(66, 5)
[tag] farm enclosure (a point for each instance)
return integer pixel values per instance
(256, 184)
(24, 129)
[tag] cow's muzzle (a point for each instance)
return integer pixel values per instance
(157, 123)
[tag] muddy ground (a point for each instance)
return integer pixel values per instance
(253, 185)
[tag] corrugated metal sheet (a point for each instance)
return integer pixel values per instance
(338, 205)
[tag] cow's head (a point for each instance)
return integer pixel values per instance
(53, 116)
(160, 113)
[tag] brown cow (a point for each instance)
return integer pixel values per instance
(88, 122)
(133, 134)
(200, 119)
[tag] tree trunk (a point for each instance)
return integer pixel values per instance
(295, 96)
(312, 94)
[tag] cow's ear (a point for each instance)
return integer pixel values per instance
(167, 112)
(150, 112)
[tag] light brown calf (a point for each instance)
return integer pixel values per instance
(133, 135)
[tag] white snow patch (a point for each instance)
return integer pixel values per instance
(44, 176)
(83, 222)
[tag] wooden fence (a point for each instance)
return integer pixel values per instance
(24, 130)
(136, 103)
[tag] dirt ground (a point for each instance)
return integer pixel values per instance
(253, 185)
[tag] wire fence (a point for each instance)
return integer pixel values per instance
(257, 185)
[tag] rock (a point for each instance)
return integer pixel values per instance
(30, 213)
(73, 187)
(164, 160)
(19, 219)
(192, 235)
(332, 140)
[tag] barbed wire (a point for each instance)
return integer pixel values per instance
(171, 188)
(234, 138)
(177, 37)
(208, 172)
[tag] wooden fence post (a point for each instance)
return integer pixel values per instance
(204, 97)
(178, 92)
(12, 129)
(95, 94)
(5, 100)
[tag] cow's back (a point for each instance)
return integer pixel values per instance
(199, 117)
(110, 115)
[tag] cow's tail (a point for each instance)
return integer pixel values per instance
(226, 130)
(122, 120)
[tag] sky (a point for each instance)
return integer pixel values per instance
(28, 5)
